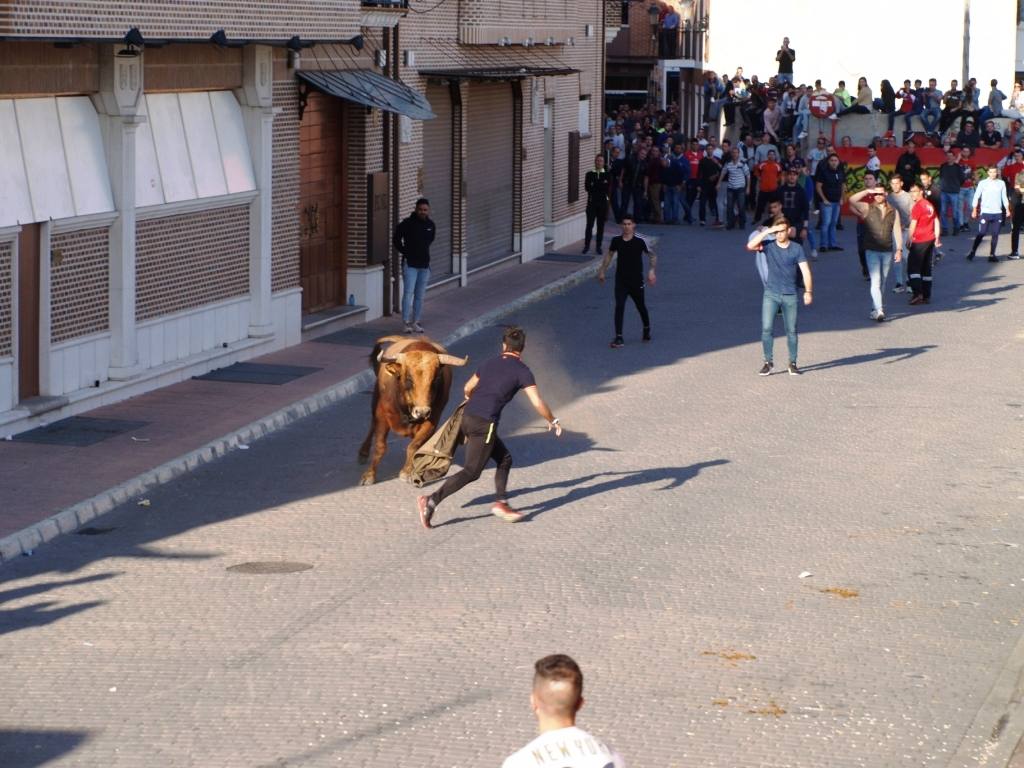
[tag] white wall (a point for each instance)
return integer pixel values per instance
(875, 38)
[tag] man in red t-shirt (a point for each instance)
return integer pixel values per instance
(694, 155)
(767, 183)
(925, 233)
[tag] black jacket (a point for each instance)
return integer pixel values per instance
(413, 237)
(908, 167)
(597, 185)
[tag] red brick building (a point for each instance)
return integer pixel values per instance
(185, 185)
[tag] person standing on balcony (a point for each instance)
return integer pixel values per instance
(670, 33)
(786, 56)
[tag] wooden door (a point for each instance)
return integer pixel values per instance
(322, 191)
(28, 311)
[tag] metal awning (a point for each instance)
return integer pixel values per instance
(497, 73)
(364, 86)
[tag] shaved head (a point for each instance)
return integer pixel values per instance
(557, 686)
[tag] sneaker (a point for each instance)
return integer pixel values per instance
(802, 135)
(965, 227)
(836, 248)
(814, 254)
(900, 288)
(586, 249)
(874, 314)
(880, 317)
(970, 256)
(702, 223)
(505, 512)
(409, 328)
(426, 511)
(418, 328)
(599, 251)
(993, 259)
(617, 342)
(647, 334)
(1014, 257)
(793, 370)
(833, 116)
(766, 369)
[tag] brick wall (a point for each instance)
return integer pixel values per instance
(285, 216)
(30, 68)
(240, 19)
(192, 67)
(79, 285)
(190, 260)
(365, 154)
(6, 301)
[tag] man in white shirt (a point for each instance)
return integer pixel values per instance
(556, 698)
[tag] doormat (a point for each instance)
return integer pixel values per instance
(575, 258)
(79, 431)
(258, 373)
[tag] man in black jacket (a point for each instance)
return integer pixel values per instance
(908, 165)
(597, 183)
(413, 237)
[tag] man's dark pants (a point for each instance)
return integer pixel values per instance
(595, 214)
(482, 444)
(636, 293)
(919, 268)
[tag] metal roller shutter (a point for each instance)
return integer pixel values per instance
(489, 168)
(437, 178)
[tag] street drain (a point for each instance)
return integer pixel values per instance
(93, 531)
(269, 567)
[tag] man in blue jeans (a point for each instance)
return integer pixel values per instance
(413, 237)
(782, 257)
(829, 184)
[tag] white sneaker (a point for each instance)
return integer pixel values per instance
(873, 315)
(409, 328)
(833, 116)
(803, 135)
(899, 288)
(418, 328)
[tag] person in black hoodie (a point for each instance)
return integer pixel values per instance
(597, 183)
(412, 239)
(887, 103)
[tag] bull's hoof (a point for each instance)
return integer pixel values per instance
(368, 478)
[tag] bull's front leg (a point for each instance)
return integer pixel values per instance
(380, 445)
(420, 436)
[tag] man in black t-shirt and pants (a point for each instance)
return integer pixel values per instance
(492, 387)
(629, 276)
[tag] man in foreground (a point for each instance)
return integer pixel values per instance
(556, 697)
(782, 258)
(492, 387)
(628, 249)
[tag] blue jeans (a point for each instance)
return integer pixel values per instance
(930, 118)
(879, 263)
(769, 308)
(785, 77)
(801, 123)
(414, 286)
(829, 219)
(673, 204)
(950, 203)
(736, 207)
(966, 203)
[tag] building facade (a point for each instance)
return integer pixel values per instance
(183, 189)
(647, 64)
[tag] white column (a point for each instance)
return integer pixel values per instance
(257, 98)
(124, 351)
(260, 126)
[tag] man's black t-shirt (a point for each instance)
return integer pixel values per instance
(630, 253)
(786, 62)
(500, 379)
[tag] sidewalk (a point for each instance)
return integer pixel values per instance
(49, 490)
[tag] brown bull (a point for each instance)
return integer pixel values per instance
(414, 377)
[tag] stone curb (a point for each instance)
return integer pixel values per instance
(68, 520)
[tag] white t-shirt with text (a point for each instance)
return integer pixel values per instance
(565, 748)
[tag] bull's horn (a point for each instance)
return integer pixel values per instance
(452, 360)
(399, 358)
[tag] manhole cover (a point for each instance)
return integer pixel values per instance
(270, 566)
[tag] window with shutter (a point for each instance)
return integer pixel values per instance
(574, 166)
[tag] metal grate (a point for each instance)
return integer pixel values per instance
(79, 431)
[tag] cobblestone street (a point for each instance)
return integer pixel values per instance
(667, 533)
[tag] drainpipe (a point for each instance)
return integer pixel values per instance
(396, 126)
